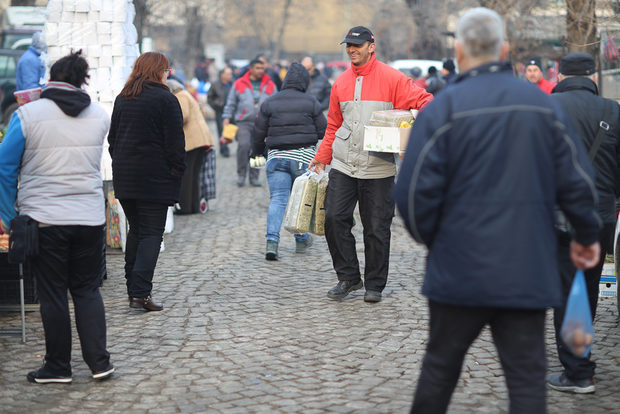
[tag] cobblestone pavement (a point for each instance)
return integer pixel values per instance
(240, 334)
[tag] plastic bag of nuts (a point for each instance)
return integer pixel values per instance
(317, 225)
(300, 206)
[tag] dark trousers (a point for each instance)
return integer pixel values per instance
(577, 368)
(70, 259)
(376, 208)
(190, 183)
(147, 220)
(244, 145)
(520, 341)
(219, 123)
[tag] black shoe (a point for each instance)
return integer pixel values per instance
(224, 151)
(145, 303)
(255, 183)
(240, 181)
(343, 288)
(41, 376)
(563, 383)
(105, 374)
(372, 296)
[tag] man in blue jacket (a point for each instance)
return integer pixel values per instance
(30, 67)
(488, 161)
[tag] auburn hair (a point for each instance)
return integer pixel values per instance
(149, 67)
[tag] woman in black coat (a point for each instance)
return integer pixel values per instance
(147, 146)
(289, 125)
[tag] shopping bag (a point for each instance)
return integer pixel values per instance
(317, 225)
(23, 239)
(577, 331)
(298, 213)
(113, 227)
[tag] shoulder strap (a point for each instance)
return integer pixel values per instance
(603, 128)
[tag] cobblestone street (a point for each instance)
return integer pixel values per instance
(240, 335)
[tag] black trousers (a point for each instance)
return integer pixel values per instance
(70, 259)
(190, 183)
(376, 208)
(520, 341)
(147, 220)
(577, 368)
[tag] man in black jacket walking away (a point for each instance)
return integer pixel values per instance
(289, 125)
(319, 87)
(597, 121)
(216, 98)
(478, 186)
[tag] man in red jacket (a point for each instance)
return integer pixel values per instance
(358, 175)
(534, 74)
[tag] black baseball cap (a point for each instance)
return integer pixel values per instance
(577, 64)
(359, 35)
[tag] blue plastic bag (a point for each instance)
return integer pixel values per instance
(577, 331)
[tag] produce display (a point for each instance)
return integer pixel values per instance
(300, 205)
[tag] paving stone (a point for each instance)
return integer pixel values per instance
(239, 334)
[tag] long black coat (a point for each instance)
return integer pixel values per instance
(579, 98)
(147, 145)
(291, 118)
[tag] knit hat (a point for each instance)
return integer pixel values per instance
(577, 64)
(535, 61)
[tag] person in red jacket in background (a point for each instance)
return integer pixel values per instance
(358, 175)
(534, 74)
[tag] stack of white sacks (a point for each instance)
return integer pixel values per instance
(104, 30)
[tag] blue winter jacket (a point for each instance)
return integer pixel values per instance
(487, 162)
(30, 70)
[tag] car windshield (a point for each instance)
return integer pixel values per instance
(10, 38)
(7, 67)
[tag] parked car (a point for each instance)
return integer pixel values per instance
(8, 72)
(19, 23)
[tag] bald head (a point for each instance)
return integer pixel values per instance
(308, 64)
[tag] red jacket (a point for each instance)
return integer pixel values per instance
(382, 87)
(545, 85)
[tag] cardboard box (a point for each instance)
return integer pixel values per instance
(608, 286)
(386, 139)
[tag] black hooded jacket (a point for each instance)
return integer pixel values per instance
(291, 118)
(579, 98)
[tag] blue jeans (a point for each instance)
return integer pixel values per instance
(281, 172)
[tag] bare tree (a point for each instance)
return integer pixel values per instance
(581, 31)
(429, 17)
(278, 41)
(142, 13)
(265, 26)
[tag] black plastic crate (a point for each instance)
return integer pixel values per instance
(9, 283)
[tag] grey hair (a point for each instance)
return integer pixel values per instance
(481, 33)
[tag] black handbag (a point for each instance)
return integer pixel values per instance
(23, 239)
